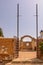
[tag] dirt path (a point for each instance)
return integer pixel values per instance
(25, 56)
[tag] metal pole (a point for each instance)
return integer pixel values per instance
(37, 27)
(17, 20)
(17, 45)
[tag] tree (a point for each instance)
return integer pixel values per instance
(1, 33)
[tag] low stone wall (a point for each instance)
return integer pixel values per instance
(7, 48)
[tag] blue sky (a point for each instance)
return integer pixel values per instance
(27, 20)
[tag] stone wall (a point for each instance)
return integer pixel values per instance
(7, 48)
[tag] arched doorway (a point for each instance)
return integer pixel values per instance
(27, 42)
(27, 48)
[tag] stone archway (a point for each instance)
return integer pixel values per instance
(26, 36)
(27, 45)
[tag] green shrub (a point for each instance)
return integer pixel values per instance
(41, 47)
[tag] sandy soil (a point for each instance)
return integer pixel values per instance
(24, 56)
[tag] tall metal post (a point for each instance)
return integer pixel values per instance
(37, 27)
(17, 44)
(17, 20)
